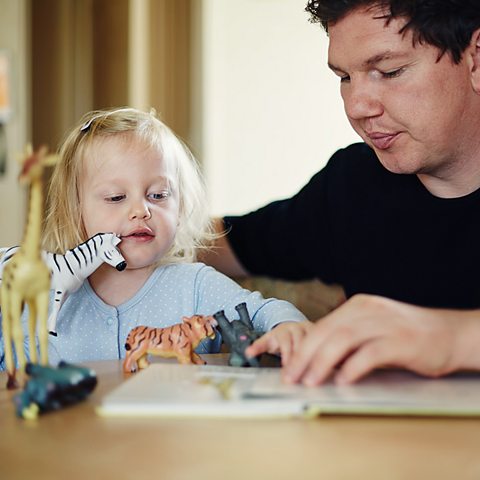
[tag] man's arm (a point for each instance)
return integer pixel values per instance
(221, 255)
(369, 332)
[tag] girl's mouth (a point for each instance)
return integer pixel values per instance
(140, 236)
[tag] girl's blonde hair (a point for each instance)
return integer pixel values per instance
(64, 227)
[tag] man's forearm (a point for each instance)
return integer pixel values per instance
(466, 349)
(221, 255)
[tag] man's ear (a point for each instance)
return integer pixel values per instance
(474, 58)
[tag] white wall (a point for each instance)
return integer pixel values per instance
(268, 112)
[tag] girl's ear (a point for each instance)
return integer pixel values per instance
(474, 56)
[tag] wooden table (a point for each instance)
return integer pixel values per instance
(75, 443)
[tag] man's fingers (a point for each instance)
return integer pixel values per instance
(293, 369)
(308, 346)
(320, 353)
(371, 355)
(291, 345)
(266, 343)
(286, 348)
(293, 342)
(257, 347)
(336, 348)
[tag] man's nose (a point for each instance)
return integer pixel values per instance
(361, 102)
(139, 210)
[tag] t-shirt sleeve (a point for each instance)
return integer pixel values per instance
(290, 238)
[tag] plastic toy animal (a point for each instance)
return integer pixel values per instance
(70, 270)
(26, 278)
(52, 388)
(179, 340)
(238, 335)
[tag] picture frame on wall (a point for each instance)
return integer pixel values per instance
(5, 100)
(5, 106)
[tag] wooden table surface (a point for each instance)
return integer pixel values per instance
(76, 443)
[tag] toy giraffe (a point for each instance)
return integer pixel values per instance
(26, 278)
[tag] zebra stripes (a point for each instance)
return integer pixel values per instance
(69, 271)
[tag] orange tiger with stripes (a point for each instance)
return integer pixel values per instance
(179, 340)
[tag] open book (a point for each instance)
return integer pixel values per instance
(165, 389)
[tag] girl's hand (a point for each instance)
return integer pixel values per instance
(283, 339)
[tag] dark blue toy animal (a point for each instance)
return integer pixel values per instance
(50, 388)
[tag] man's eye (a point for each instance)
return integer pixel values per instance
(160, 195)
(115, 198)
(393, 73)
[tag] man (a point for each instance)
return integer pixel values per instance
(395, 220)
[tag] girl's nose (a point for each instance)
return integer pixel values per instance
(139, 211)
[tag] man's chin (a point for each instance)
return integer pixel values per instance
(395, 163)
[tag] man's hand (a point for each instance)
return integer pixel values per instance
(283, 339)
(368, 332)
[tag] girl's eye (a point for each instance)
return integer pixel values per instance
(160, 195)
(115, 198)
(344, 79)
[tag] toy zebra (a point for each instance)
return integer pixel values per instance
(69, 271)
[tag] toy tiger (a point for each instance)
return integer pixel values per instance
(179, 340)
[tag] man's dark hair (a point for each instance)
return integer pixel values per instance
(445, 24)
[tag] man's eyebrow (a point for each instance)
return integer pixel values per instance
(373, 60)
(380, 57)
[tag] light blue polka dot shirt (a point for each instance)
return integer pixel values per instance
(89, 329)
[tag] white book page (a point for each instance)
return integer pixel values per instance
(228, 391)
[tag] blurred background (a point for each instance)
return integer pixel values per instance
(243, 82)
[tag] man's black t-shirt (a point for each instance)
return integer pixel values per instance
(371, 231)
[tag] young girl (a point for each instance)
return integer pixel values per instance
(124, 171)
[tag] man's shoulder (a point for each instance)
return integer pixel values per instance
(358, 165)
(358, 148)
